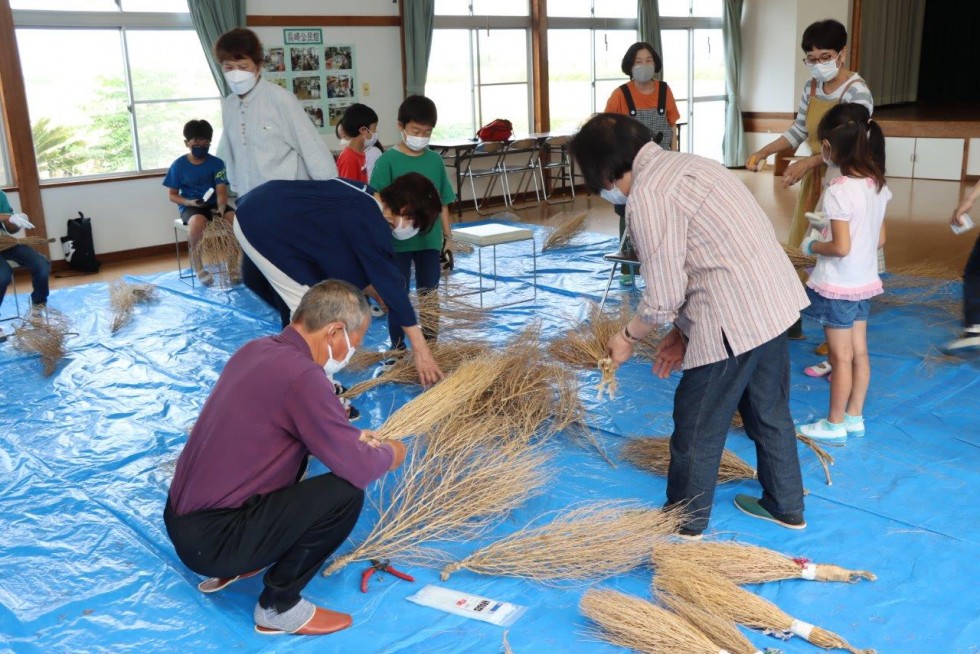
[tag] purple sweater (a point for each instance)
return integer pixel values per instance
(271, 407)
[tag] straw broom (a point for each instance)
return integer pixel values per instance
(714, 593)
(451, 496)
(653, 454)
(591, 542)
(449, 355)
(721, 631)
(449, 308)
(123, 297)
(7, 241)
(799, 260)
(219, 252)
(636, 624)
(43, 334)
(748, 564)
(562, 235)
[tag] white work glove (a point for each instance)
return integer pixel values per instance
(20, 220)
(817, 219)
(812, 237)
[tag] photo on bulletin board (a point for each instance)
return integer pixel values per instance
(340, 86)
(275, 61)
(338, 57)
(336, 112)
(307, 87)
(303, 59)
(281, 81)
(315, 111)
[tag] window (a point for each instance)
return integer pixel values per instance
(124, 88)
(479, 66)
(694, 66)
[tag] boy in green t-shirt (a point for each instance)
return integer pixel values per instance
(12, 222)
(416, 118)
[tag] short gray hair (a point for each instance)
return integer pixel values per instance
(332, 300)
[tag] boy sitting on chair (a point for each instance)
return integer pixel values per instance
(11, 223)
(189, 179)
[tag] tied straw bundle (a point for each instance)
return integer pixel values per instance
(123, 297)
(590, 542)
(43, 332)
(219, 253)
(748, 564)
(714, 593)
(562, 235)
(636, 624)
(451, 496)
(448, 355)
(653, 454)
(447, 307)
(799, 260)
(7, 241)
(722, 632)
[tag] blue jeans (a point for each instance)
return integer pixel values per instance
(28, 258)
(836, 314)
(427, 271)
(757, 384)
(971, 287)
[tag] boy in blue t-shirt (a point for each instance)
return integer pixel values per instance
(190, 179)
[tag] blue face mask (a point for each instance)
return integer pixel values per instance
(200, 151)
(613, 195)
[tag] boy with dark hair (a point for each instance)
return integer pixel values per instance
(416, 118)
(198, 184)
(360, 123)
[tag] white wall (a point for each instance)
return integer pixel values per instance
(135, 213)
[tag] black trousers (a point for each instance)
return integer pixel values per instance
(256, 282)
(293, 529)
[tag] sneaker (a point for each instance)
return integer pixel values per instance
(750, 506)
(689, 534)
(822, 350)
(970, 338)
(385, 366)
(854, 425)
(338, 388)
(377, 311)
(823, 430)
(352, 412)
(37, 311)
(822, 369)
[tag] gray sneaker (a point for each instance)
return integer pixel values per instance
(970, 338)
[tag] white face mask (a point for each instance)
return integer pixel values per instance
(404, 233)
(240, 81)
(416, 143)
(825, 154)
(370, 141)
(825, 72)
(643, 73)
(332, 367)
(613, 195)
(344, 143)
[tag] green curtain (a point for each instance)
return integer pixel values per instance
(891, 48)
(419, 17)
(211, 19)
(648, 19)
(733, 147)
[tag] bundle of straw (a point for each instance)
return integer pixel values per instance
(714, 593)
(123, 297)
(653, 454)
(449, 308)
(799, 260)
(721, 631)
(749, 564)
(590, 542)
(565, 232)
(460, 247)
(451, 496)
(7, 241)
(824, 457)
(450, 355)
(218, 252)
(364, 359)
(43, 333)
(636, 624)
(584, 345)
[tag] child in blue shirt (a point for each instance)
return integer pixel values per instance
(189, 179)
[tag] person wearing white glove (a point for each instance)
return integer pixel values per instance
(970, 337)
(12, 222)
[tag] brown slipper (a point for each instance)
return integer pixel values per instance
(822, 350)
(323, 622)
(214, 584)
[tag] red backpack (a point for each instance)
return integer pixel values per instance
(500, 129)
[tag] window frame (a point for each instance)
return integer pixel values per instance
(122, 22)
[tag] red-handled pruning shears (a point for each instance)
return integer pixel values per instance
(382, 565)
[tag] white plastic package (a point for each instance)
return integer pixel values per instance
(502, 614)
(966, 224)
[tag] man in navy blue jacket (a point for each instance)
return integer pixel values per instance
(299, 233)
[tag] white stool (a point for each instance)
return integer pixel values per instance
(492, 235)
(13, 282)
(180, 226)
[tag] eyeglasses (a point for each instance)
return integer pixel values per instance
(822, 59)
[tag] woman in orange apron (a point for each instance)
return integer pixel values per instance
(825, 45)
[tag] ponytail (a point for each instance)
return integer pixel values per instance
(856, 141)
